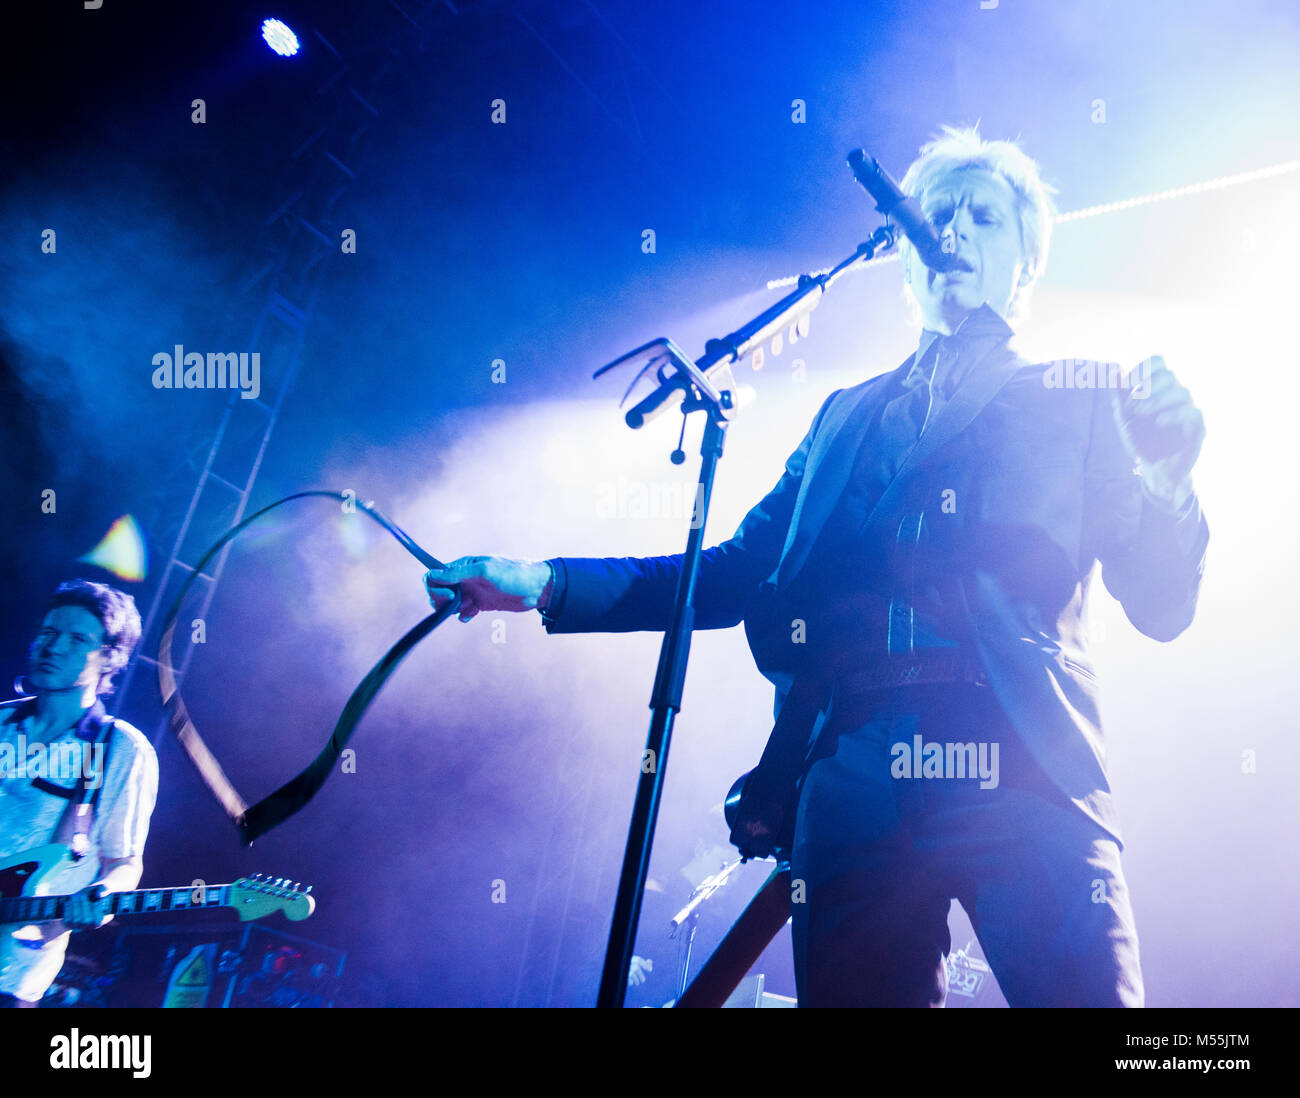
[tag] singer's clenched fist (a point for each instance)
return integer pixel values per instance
(488, 583)
(1162, 430)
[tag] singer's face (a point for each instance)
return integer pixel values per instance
(974, 213)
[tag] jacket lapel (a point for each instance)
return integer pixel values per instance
(983, 380)
(830, 461)
(845, 427)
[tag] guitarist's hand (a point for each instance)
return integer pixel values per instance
(489, 583)
(85, 910)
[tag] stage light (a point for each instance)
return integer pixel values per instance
(279, 37)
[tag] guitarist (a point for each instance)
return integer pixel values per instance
(86, 636)
(918, 577)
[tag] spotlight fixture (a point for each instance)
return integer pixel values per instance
(279, 37)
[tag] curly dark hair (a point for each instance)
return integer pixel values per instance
(116, 612)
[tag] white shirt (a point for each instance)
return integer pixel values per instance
(29, 817)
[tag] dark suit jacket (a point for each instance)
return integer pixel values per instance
(1019, 507)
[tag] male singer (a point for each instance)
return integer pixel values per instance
(930, 548)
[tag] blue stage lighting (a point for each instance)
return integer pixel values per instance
(279, 37)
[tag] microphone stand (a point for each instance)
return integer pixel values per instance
(691, 383)
(703, 891)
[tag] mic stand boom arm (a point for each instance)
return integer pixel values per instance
(719, 354)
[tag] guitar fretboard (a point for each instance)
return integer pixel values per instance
(38, 909)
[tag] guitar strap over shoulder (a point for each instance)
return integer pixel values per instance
(79, 818)
(74, 826)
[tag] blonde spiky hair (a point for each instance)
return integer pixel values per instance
(955, 148)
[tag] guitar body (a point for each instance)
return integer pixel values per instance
(42, 871)
(794, 638)
(769, 828)
(34, 872)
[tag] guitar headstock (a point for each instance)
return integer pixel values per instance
(257, 896)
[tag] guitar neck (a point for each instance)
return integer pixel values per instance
(44, 909)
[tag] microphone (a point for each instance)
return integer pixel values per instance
(903, 211)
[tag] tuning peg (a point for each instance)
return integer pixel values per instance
(308, 890)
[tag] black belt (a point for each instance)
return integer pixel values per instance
(924, 668)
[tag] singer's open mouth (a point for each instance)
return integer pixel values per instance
(958, 271)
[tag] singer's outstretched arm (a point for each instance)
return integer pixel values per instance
(627, 594)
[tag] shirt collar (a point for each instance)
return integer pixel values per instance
(87, 728)
(976, 326)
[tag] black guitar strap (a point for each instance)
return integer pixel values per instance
(74, 829)
(277, 807)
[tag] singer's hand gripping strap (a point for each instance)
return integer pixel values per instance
(294, 794)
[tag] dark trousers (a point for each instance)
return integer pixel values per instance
(877, 860)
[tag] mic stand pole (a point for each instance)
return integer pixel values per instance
(682, 981)
(694, 382)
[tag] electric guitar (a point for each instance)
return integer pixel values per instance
(25, 897)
